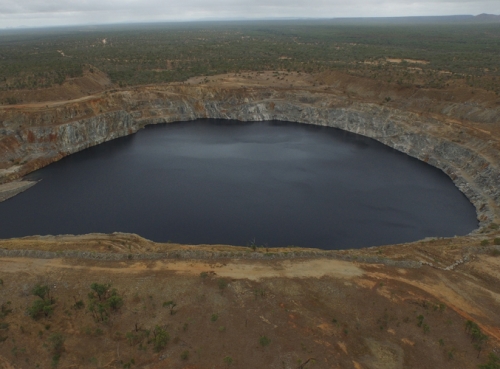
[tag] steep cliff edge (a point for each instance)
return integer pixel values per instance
(33, 136)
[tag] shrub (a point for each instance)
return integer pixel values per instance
(5, 309)
(185, 355)
(171, 305)
(478, 337)
(56, 345)
(485, 243)
(214, 317)
(493, 362)
(228, 360)
(42, 291)
(420, 320)
(222, 283)
(264, 341)
(115, 302)
(11, 100)
(496, 241)
(79, 305)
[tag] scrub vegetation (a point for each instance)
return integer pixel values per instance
(428, 55)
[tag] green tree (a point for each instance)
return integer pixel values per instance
(105, 301)
(43, 307)
(42, 291)
(40, 308)
(115, 301)
(160, 339)
(100, 289)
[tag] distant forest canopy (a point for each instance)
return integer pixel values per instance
(424, 51)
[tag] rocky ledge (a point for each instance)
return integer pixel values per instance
(34, 136)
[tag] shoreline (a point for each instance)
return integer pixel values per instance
(11, 189)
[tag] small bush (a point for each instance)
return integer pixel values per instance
(222, 283)
(214, 317)
(170, 305)
(420, 320)
(493, 362)
(185, 355)
(11, 100)
(79, 305)
(496, 241)
(5, 309)
(485, 243)
(264, 341)
(56, 344)
(115, 302)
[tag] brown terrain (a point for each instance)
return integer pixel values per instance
(397, 306)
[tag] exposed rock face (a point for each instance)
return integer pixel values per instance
(32, 138)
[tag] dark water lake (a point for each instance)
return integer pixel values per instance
(227, 182)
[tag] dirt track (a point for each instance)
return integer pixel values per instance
(235, 270)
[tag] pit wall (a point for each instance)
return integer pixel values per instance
(31, 139)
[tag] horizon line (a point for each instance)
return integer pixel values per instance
(242, 19)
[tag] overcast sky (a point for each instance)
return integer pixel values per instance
(34, 13)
